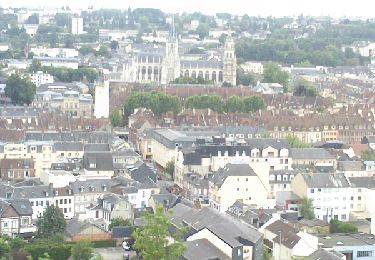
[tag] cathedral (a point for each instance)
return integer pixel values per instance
(163, 65)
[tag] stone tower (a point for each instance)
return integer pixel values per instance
(229, 61)
(171, 61)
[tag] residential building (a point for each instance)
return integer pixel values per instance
(98, 164)
(330, 193)
(252, 67)
(312, 157)
(71, 63)
(39, 78)
(16, 169)
(236, 182)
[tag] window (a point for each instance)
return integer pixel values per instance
(343, 217)
(41, 203)
(32, 203)
(311, 190)
(11, 174)
(359, 197)
(351, 198)
(247, 179)
(364, 253)
(319, 190)
(5, 224)
(238, 189)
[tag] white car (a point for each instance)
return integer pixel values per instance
(125, 246)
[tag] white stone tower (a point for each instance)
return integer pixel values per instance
(229, 61)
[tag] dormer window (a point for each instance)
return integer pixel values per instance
(56, 193)
(104, 187)
(92, 165)
(46, 193)
(81, 189)
(69, 191)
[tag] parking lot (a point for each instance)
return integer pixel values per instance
(113, 253)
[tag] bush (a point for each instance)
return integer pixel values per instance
(56, 251)
(103, 243)
(336, 226)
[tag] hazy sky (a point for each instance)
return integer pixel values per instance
(259, 7)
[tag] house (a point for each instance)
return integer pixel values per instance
(98, 164)
(195, 188)
(362, 194)
(280, 180)
(236, 182)
(87, 192)
(15, 218)
(203, 249)
(16, 169)
(108, 207)
(330, 193)
(321, 254)
(77, 230)
(353, 246)
(233, 238)
(287, 242)
(312, 157)
(69, 150)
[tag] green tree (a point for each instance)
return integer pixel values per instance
(45, 256)
(103, 51)
(245, 79)
(117, 222)
(234, 104)
(254, 103)
(169, 168)
(295, 142)
(155, 241)
(116, 118)
(20, 90)
(51, 223)
(368, 155)
(306, 208)
(266, 254)
(82, 250)
(202, 30)
(274, 74)
(336, 226)
(33, 19)
(304, 88)
(4, 247)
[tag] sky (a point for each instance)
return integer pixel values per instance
(335, 8)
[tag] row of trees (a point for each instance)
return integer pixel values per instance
(161, 103)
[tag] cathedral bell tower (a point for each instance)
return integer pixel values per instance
(229, 61)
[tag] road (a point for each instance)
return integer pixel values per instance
(114, 253)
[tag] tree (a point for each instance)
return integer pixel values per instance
(20, 90)
(306, 209)
(155, 241)
(295, 142)
(368, 155)
(336, 226)
(103, 51)
(245, 79)
(33, 19)
(234, 104)
(51, 223)
(253, 103)
(305, 89)
(82, 250)
(266, 254)
(202, 30)
(117, 222)
(116, 118)
(4, 247)
(169, 168)
(274, 74)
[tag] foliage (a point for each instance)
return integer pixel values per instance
(266, 254)
(4, 247)
(82, 250)
(189, 80)
(117, 222)
(213, 102)
(274, 74)
(85, 50)
(51, 223)
(158, 102)
(202, 30)
(116, 118)
(295, 142)
(235, 104)
(306, 208)
(17, 243)
(253, 103)
(304, 88)
(33, 19)
(45, 256)
(368, 155)
(20, 90)
(103, 243)
(63, 74)
(169, 168)
(153, 241)
(336, 226)
(57, 251)
(245, 79)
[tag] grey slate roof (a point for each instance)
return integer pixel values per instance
(22, 206)
(224, 226)
(264, 143)
(103, 161)
(202, 249)
(97, 147)
(91, 186)
(144, 174)
(326, 180)
(68, 146)
(231, 170)
(310, 154)
(75, 226)
(362, 182)
(322, 254)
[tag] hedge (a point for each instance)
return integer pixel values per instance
(103, 243)
(57, 251)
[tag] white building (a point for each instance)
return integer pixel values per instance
(54, 52)
(329, 192)
(77, 25)
(101, 107)
(252, 66)
(39, 78)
